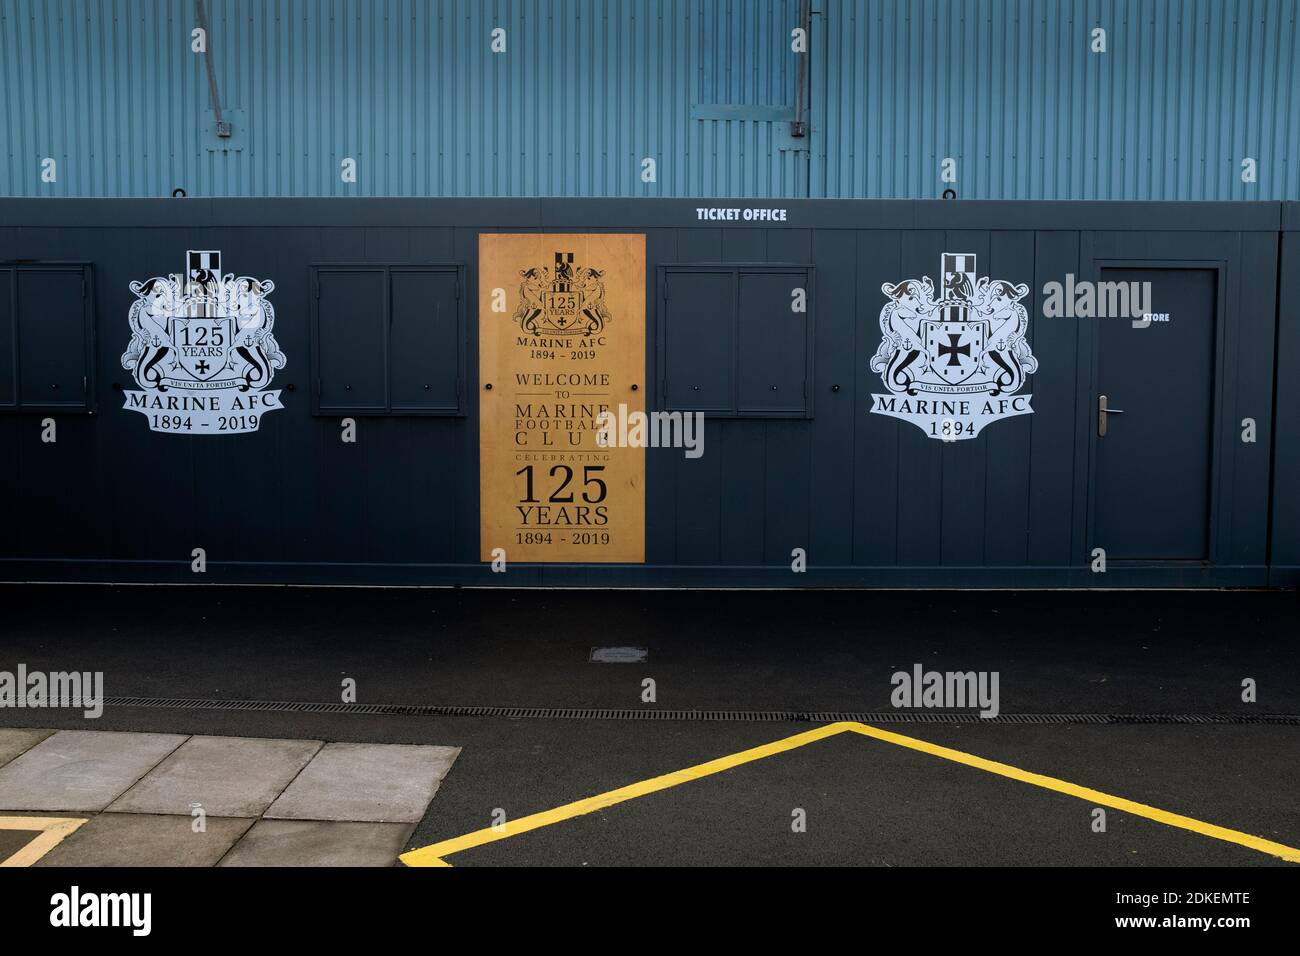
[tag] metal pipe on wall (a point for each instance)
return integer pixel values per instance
(799, 126)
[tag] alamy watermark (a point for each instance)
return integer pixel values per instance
(1084, 299)
(946, 689)
(40, 689)
(133, 911)
(637, 429)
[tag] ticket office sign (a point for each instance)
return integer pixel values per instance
(561, 341)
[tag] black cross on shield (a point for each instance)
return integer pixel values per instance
(955, 348)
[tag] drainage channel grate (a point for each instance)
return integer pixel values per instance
(605, 713)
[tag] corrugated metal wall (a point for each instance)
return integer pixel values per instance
(587, 89)
(1011, 89)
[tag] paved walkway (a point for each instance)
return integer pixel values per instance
(100, 798)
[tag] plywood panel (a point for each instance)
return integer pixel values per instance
(561, 341)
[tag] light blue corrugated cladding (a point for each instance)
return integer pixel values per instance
(587, 89)
(1186, 90)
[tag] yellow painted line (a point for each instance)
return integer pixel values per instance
(433, 855)
(1291, 854)
(52, 832)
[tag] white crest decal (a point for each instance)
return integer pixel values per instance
(955, 363)
(202, 350)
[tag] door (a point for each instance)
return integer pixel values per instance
(351, 359)
(52, 332)
(424, 341)
(1153, 421)
(698, 343)
(773, 344)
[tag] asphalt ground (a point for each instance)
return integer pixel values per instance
(865, 802)
(1055, 651)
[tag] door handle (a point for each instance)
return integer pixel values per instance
(1102, 412)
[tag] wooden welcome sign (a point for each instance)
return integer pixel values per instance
(561, 342)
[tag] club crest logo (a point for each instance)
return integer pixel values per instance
(953, 364)
(562, 300)
(202, 350)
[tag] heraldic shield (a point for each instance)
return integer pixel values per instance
(566, 300)
(953, 364)
(202, 344)
(563, 309)
(954, 348)
(202, 350)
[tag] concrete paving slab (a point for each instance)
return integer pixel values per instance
(227, 776)
(139, 839)
(370, 782)
(319, 843)
(81, 769)
(16, 740)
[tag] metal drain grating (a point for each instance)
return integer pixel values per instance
(606, 713)
(618, 655)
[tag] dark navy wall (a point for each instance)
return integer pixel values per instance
(871, 500)
(1286, 449)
